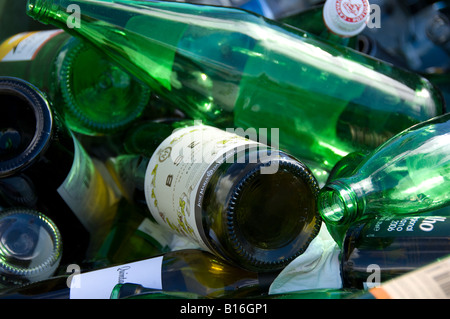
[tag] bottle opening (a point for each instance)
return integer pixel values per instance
(336, 204)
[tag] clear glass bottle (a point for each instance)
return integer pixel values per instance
(235, 197)
(232, 68)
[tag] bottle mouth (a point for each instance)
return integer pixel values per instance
(337, 204)
(25, 124)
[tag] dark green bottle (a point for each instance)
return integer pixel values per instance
(232, 68)
(378, 249)
(44, 167)
(250, 204)
(92, 93)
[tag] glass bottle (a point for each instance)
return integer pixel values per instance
(233, 68)
(30, 247)
(92, 93)
(235, 197)
(378, 249)
(190, 271)
(408, 173)
(43, 166)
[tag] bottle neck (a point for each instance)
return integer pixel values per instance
(339, 203)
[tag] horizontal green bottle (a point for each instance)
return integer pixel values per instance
(92, 93)
(232, 68)
(410, 173)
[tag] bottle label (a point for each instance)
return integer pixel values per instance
(429, 282)
(188, 157)
(85, 192)
(25, 46)
(408, 226)
(98, 284)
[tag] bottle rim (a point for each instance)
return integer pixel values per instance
(77, 47)
(45, 268)
(337, 203)
(44, 122)
(252, 260)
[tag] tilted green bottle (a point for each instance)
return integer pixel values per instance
(30, 247)
(92, 93)
(190, 271)
(378, 249)
(409, 173)
(232, 196)
(232, 68)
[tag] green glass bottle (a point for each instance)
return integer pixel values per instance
(135, 291)
(232, 196)
(93, 94)
(336, 21)
(30, 247)
(378, 249)
(44, 167)
(189, 271)
(409, 173)
(232, 68)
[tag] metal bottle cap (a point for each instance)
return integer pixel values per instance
(346, 18)
(30, 245)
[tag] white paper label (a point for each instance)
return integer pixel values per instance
(176, 169)
(98, 284)
(428, 282)
(24, 46)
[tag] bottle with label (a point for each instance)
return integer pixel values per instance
(92, 93)
(30, 247)
(407, 174)
(337, 21)
(378, 249)
(233, 68)
(189, 271)
(235, 197)
(43, 166)
(431, 281)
